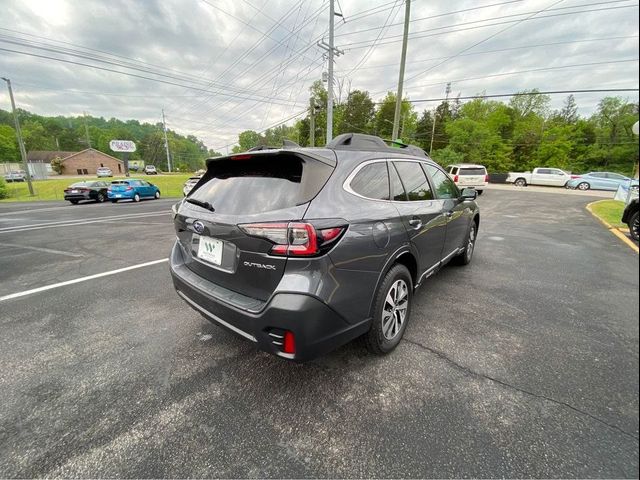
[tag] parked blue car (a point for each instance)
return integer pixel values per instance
(132, 189)
(598, 181)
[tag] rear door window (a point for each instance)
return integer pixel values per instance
(414, 180)
(261, 183)
(442, 184)
(372, 181)
(397, 189)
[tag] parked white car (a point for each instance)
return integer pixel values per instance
(16, 176)
(469, 175)
(550, 177)
(150, 170)
(104, 172)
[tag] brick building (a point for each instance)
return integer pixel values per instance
(85, 162)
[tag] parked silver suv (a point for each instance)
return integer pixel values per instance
(300, 250)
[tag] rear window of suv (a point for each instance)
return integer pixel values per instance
(261, 183)
(472, 171)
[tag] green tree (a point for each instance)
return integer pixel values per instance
(247, 140)
(8, 144)
(383, 124)
(359, 113)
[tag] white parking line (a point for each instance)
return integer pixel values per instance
(81, 279)
(83, 221)
(40, 249)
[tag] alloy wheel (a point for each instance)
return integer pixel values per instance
(394, 312)
(471, 244)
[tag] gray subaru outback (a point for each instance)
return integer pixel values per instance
(301, 250)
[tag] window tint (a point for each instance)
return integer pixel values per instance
(372, 181)
(397, 189)
(261, 183)
(473, 171)
(544, 171)
(442, 184)
(597, 175)
(414, 180)
(615, 176)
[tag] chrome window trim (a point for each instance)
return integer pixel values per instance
(347, 183)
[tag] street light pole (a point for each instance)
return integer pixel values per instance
(23, 152)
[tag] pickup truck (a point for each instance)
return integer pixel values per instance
(551, 177)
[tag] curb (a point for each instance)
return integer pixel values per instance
(616, 231)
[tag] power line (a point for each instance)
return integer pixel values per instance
(507, 49)
(524, 94)
(417, 35)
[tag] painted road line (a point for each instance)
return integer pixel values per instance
(81, 222)
(613, 229)
(40, 249)
(80, 280)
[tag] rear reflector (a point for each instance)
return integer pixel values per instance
(289, 343)
(456, 178)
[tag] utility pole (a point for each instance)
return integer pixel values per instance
(403, 59)
(312, 122)
(86, 130)
(166, 142)
(23, 152)
(332, 51)
(435, 115)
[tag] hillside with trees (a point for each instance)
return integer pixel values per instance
(69, 134)
(519, 135)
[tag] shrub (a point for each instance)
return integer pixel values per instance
(4, 191)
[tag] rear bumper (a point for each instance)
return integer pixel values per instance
(317, 328)
(77, 196)
(120, 195)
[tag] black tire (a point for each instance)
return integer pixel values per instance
(470, 245)
(157, 195)
(634, 225)
(100, 198)
(480, 192)
(114, 200)
(74, 202)
(520, 182)
(387, 330)
(136, 198)
(584, 186)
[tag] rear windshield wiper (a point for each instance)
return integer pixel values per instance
(205, 205)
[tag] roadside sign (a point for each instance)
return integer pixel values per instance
(122, 146)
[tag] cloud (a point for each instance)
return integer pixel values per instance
(249, 63)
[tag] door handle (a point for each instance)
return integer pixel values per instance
(415, 223)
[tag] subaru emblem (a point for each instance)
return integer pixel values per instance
(198, 226)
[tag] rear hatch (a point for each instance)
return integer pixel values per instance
(119, 187)
(261, 189)
(472, 176)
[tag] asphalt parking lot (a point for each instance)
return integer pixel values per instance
(524, 364)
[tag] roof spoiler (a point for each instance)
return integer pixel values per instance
(360, 141)
(286, 143)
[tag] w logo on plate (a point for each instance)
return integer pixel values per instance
(209, 247)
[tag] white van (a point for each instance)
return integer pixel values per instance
(468, 175)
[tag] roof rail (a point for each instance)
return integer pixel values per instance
(360, 141)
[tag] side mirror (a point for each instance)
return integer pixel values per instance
(468, 195)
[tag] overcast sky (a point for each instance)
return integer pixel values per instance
(248, 64)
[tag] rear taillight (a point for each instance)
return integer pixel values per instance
(241, 157)
(573, 177)
(294, 239)
(129, 189)
(486, 178)
(456, 178)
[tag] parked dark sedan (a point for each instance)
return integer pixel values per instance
(96, 191)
